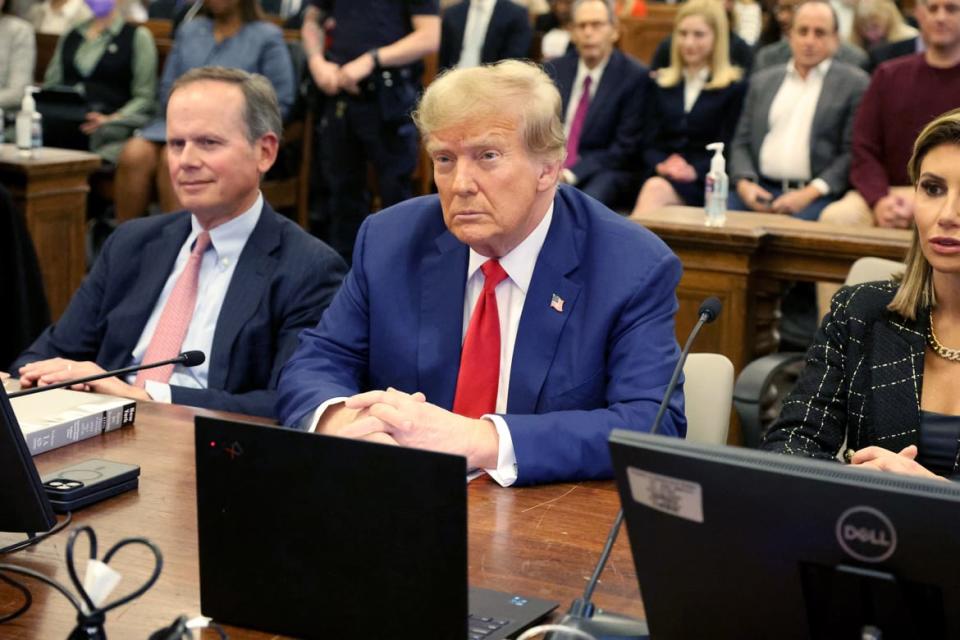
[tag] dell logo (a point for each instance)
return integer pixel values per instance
(866, 534)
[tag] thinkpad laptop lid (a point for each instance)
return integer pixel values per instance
(316, 536)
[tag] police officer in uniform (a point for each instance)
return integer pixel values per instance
(365, 57)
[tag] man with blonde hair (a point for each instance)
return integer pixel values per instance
(506, 319)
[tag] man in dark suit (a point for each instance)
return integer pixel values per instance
(791, 150)
(506, 320)
(603, 122)
(228, 276)
(476, 32)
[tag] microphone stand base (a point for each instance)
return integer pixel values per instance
(603, 626)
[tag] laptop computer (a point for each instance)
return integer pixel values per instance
(323, 537)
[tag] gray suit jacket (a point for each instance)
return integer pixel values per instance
(780, 53)
(830, 134)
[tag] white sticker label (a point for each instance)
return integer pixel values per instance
(677, 497)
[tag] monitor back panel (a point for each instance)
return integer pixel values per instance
(730, 543)
(315, 536)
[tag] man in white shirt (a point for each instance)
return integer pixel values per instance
(506, 319)
(791, 151)
(476, 32)
(229, 276)
(603, 92)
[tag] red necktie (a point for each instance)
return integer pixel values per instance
(480, 359)
(175, 317)
(573, 140)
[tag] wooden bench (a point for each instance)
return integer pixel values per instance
(640, 36)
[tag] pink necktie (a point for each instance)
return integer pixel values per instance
(175, 318)
(573, 140)
(480, 358)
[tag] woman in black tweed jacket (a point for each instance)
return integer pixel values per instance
(879, 379)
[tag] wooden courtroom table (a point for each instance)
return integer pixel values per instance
(50, 188)
(539, 541)
(746, 263)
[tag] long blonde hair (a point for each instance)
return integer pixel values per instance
(916, 286)
(886, 10)
(722, 73)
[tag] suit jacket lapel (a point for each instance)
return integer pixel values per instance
(611, 77)
(763, 108)
(540, 324)
(826, 92)
(246, 290)
(488, 52)
(456, 44)
(566, 76)
(443, 277)
(156, 263)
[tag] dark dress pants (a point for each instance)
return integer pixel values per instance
(353, 133)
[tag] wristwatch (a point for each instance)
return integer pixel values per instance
(375, 54)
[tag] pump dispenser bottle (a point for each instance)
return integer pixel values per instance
(29, 124)
(717, 184)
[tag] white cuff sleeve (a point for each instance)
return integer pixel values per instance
(820, 185)
(309, 422)
(506, 472)
(158, 391)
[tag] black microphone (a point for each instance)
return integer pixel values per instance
(187, 359)
(582, 615)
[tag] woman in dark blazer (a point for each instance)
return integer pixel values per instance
(883, 374)
(695, 101)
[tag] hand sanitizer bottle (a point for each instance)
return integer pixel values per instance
(717, 184)
(29, 124)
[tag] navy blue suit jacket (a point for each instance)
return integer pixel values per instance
(611, 136)
(602, 363)
(283, 281)
(667, 129)
(508, 34)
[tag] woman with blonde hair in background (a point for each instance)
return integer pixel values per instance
(878, 22)
(695, 101)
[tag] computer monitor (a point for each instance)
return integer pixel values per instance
(24, 507)
(736, 543)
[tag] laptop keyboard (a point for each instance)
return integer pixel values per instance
(479, 628)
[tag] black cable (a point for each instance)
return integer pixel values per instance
(27, 599)
(29, 542)
(89, 617)
(30, 573)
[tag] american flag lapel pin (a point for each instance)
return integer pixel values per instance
(556, 303)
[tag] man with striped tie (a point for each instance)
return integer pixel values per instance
(507, 320)
(228, 276)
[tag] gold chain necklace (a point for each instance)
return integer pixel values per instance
(953, 355)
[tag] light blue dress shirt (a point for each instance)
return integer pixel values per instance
(216, 271)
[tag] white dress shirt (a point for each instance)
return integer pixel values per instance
(475, 32)
(576, 91)
(785, 152)
(511, 294)
(216, 271)
(693, 84)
